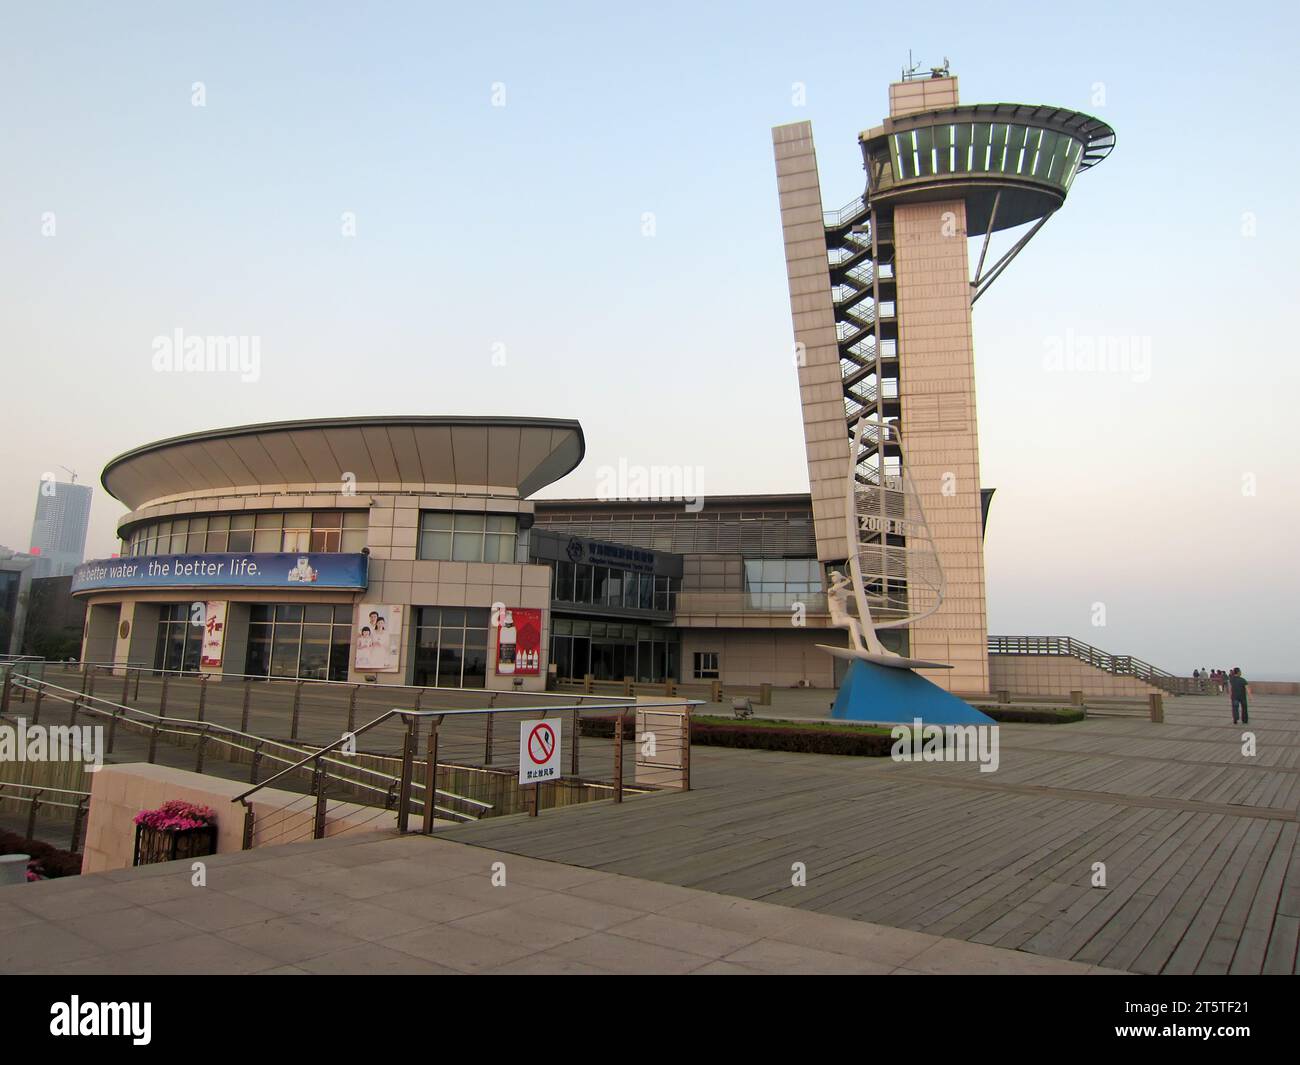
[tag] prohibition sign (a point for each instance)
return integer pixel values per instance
(541, 743)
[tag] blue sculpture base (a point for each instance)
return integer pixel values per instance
(888, 696)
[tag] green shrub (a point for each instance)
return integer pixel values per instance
(1034, 715)
(50, 862)
(763, 735)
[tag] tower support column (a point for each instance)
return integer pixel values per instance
(940, 437)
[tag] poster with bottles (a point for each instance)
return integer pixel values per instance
(519, 643)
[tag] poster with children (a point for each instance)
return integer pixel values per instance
(377, 638)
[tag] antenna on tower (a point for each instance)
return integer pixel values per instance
(913, 69)
(72, 472)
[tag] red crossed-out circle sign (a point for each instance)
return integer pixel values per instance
(541, 743)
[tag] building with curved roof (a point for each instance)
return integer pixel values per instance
(393, 549)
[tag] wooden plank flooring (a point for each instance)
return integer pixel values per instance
(1199, 841)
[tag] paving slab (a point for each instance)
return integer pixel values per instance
(262, 917)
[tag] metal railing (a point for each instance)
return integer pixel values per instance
(1118, 665)
(35, 797)
(452, 735)
(711, 603)
(203, 733)
(475, 760)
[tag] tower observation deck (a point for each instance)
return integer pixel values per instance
(881, 293)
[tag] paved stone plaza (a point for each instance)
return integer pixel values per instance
(1199, 841)
(384, 905)
(910, 868)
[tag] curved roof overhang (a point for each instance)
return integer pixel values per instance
(1018, 202)
(1097, 136)
(406, 452)
(1020, 198)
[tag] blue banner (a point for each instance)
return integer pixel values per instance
(253, 570)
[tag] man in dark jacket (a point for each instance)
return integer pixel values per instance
(1237, 689)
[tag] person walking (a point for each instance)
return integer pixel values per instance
(1239, 688)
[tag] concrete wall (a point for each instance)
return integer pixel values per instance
(100, 643)
(820, 379)
(119, 792)
(940, 440)
(137, 647)
(1060, 675)
(1274, 687)
(922, 94)
(781, 657)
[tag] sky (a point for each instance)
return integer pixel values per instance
(570, 210)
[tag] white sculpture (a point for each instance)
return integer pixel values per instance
(891, 552)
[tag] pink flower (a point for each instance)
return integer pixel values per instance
(176, 815)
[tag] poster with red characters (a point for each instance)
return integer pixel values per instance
(519, 643)
(214, 633)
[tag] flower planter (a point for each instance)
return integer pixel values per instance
(174, 831)
(170, 844)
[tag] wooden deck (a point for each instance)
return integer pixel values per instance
(1199, 841)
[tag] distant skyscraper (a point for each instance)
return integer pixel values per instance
(59, 530)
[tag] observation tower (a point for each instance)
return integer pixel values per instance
(881, 293)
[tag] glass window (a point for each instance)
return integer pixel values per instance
(241, 533)
(582, 583)
(270, 531)
(257, 661)
(285, 645)
(435, 535)
(325, 539)
(268, 535)
(564, 581)
(466, 537)
(340, 650)
(313, 662)
(218, 532)
(706, 665)
(198, 536)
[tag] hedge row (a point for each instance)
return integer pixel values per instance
(602, 727)
(51, 862)
(1035, 715)
(798, 740)
(760, 737)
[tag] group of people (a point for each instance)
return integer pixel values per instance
(1233, 683)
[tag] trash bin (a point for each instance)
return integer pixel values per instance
(13, 869)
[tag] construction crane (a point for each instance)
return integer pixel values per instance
(73, 473)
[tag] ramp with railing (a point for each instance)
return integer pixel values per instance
(1117, 665)
(440, 757)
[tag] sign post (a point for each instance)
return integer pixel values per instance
(539, 756)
